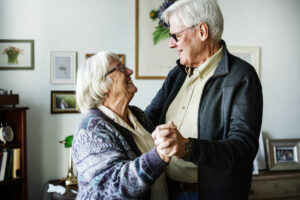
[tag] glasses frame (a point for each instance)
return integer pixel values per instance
(174, 35)
(119, 67)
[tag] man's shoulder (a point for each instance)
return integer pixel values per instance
(237, 64)
(241, 68)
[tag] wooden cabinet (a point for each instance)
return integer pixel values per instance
(275, 185)
(15, 188)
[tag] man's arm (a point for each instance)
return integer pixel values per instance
(241, 146)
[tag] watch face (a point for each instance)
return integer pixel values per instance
(8, 134)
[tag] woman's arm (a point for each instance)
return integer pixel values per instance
(104, 160)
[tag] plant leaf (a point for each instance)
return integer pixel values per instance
(159, 34)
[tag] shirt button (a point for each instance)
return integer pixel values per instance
(183, 107)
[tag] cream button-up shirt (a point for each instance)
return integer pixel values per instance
(144, 141)
(183, 111)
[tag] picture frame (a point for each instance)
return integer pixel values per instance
(121, 56)
(251, 54)
(151, 61)
(283, 154)
(16, 54)
(63, 67)
(63, 102)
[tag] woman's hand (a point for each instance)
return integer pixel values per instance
(169, 142)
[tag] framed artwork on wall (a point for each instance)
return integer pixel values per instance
(121, 56)
(16, 54)
(283, 154)
(63, 102)
(63, 67)
(251, 54)
(152, 61)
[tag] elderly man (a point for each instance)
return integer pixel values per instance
(213, 101)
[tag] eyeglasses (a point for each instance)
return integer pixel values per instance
(174, 35)
(119, 67)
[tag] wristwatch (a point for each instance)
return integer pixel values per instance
(188, 150)
(188, 145)
(6, 133)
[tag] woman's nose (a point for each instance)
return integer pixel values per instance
(128, 71)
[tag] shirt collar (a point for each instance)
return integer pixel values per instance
(205, 68)
(111, 114)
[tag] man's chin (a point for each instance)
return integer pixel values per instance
(183, 61)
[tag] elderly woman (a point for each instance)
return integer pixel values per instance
(113, 150)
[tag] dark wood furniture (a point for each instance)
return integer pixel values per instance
(15, 189)
(268, 185)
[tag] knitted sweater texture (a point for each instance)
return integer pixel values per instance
(108, 162)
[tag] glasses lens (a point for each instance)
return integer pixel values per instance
(121, 68)
(173, 36)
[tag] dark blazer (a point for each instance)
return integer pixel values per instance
(229, 122)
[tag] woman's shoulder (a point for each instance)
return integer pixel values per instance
(95, 124)
(96, 134)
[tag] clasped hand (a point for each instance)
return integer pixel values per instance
(169, 142)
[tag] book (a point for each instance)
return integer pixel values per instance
(3, 165)
(8, 164)
(16, 168)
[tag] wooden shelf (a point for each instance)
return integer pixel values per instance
(11, 182)
(15, 189)
(271, 185)
(10, 146)
(274, 175)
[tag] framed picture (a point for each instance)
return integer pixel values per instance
(63, 67)
(151, 61)
(121, 56)
(247, 53)
(16, 54)
(283, 154)
(63, 102)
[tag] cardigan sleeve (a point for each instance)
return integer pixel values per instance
(105, 161)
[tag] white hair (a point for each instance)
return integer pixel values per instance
(192, 12)
(92, 85)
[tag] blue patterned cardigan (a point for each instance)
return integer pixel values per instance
(109, 163)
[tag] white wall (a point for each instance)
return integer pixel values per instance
(88, 26)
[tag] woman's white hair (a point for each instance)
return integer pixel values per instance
(92, 85)
(192, 12)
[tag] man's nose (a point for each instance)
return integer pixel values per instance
(172, 43)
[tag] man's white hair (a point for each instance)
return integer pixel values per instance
(192, 12)
(92, 85)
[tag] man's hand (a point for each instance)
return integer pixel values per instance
(169, 141)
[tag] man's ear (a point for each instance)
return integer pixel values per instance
(203, 31)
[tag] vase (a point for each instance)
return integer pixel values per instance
(12, 58)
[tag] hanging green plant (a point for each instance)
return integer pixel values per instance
(161, 31)
(159, 34)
